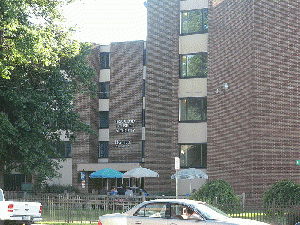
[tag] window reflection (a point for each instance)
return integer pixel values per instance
(193, 155)
(193, 109)
(194, 21)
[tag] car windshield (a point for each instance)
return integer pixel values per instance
(211, 212)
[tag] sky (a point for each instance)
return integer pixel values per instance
(106, 21)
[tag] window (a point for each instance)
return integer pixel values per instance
(154, 210)
(143, 148)
(183, 212)
(194, 21)
(193, 65)
(104, 119)
(144, 57)
(144, 88)
(143, 118)
(65, 148)
(193, 109)
(193, 155)
(103, 148)
(104, 90)
(104, 60)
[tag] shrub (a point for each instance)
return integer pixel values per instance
(283, 192)
(281, 201)
(219, 189)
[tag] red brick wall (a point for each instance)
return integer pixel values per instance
(161, 93)
(126, 100)
(253, 126)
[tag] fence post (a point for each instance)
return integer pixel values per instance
(68, 209)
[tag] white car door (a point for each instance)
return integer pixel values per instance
(150, 214)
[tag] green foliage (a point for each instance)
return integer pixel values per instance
(219, 189)
(41, 71)
(283, 192)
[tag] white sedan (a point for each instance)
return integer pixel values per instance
(173, 212)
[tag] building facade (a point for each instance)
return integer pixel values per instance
(215, 83)
(253, 85)
(152, 100)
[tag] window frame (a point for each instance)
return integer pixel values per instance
(104, 58)
(204, 26)
(105, 153)
(203, 109)
(203, 154)
(103, 124)
(166, 204)
(104, 90)
(202, 74)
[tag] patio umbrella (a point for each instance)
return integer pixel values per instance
(106, 173)
(190, 173)
(139, 173)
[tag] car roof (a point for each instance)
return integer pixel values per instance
(186, 201)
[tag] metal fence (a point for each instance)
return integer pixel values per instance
(87, 208)
(274, 214)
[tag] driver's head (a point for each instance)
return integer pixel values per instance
(189, 211)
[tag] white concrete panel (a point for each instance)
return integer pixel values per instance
(103, 160)
(105, 48)
(104, 75)
(193, 43)
(193, 4)
(103, 134)
(194, 87)
(144, 103)
(65, 174)
(103, 104)
(192, 132)
(143, 133)
(100, 166)
(187, 186)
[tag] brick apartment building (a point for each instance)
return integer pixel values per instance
(151, 109)
(224, 100)
(253, 85)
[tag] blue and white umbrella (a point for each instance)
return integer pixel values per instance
(106, 173)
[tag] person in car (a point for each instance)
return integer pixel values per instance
(189, 214)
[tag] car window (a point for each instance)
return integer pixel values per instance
(211, 212)
(183, 212)
(152, 210)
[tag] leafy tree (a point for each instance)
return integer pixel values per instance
(41, 70)
(219, 189)
(283, 192)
